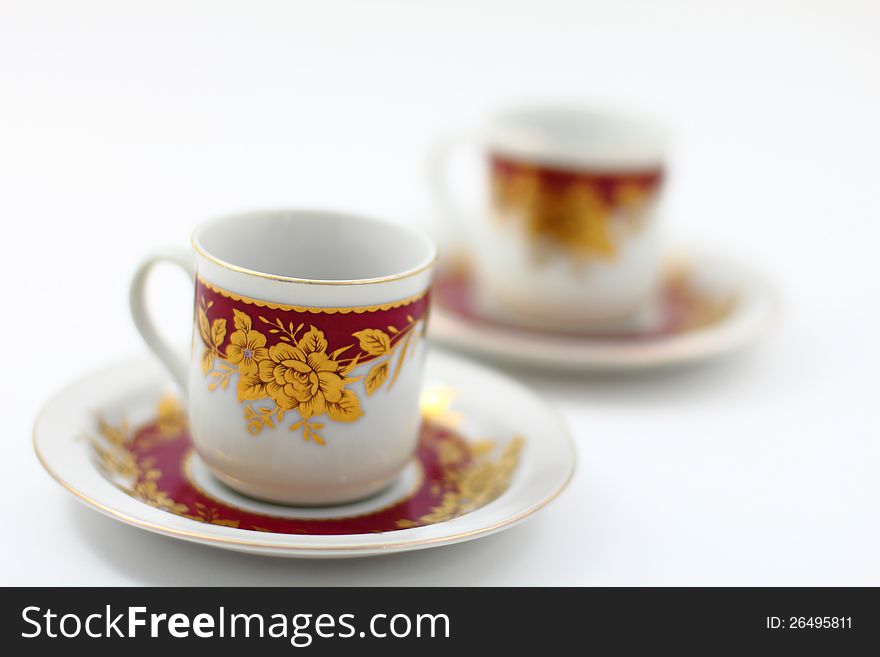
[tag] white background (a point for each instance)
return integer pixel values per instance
(122, 125)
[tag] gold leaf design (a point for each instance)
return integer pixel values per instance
(115, 435)
(116, 462)
(218, 332)
(376, 377)
(575, 217)
(149, 492)
(347, 409)
(250, 387)
(402, 357)
(374, 341)
(477, 484)
(313, 341)
(207, 360)
(210, 516)
(310, 430)
(350, 367)
(259, 417)
(171, 417)
(135, 477)
(204, 326)
(241, 320)
(220, 376)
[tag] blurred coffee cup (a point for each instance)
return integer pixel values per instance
(569, 240)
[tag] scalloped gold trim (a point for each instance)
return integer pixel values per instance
(309, 309)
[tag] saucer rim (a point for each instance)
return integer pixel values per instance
(751, 315)
(345, 548)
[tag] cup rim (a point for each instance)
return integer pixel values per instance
(425, 264)
(505, 135)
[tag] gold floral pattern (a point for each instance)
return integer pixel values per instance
(170, 417)
(138, 477)
(212, 335)
(210, 515)
(570, 212)
(297, 373)
(476, 484)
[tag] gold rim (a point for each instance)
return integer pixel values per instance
(207, 538)
(313, 281)
(310, 309)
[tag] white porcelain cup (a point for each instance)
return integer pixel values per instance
(303, 386)
(569, 240)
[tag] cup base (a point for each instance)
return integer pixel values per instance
(338, 495)
(631, 318)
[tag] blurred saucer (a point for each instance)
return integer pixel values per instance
(491, 454)
(705, 307)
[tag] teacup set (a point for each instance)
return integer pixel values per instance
(565, 267)
(310, 419)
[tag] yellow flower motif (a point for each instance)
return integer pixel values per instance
(297, 373)
(305, 378)
(246, 349)
(575, 217)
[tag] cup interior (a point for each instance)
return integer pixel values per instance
(314, 246)
(579, 137)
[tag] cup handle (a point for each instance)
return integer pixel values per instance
(142, 320)
(439, 157)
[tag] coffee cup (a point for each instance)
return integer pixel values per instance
(569, 239)
(304, 378)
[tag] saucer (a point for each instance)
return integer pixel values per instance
(118, 440)
(705, 307)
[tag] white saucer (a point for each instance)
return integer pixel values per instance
(492, 454)
(727, 308)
